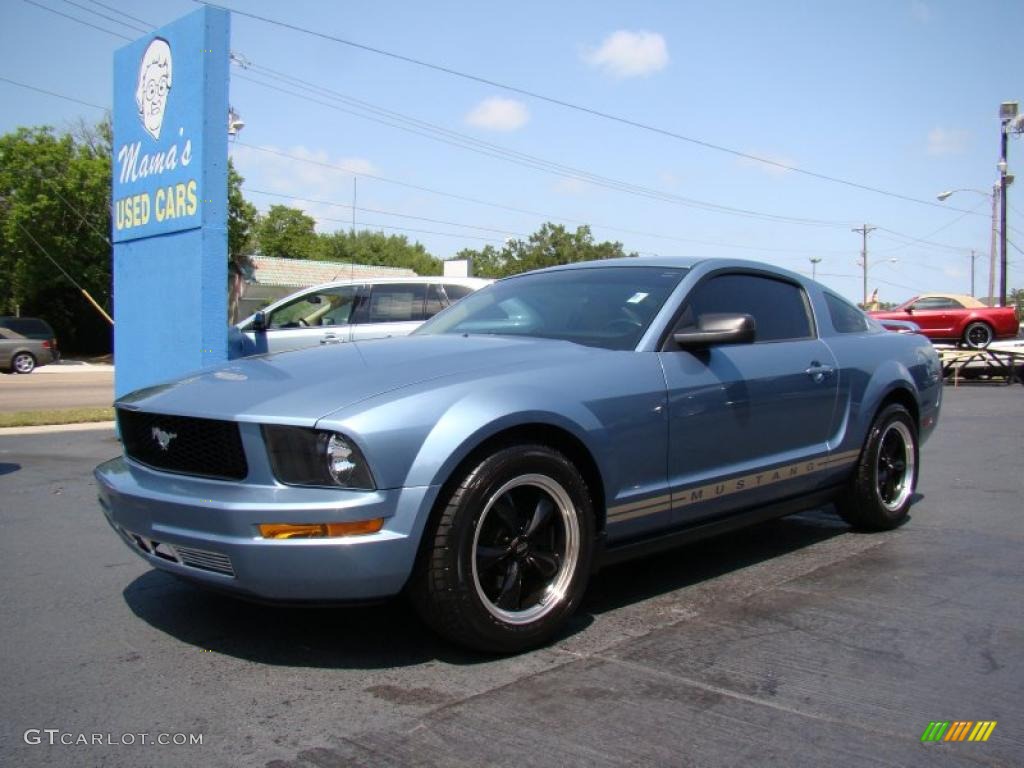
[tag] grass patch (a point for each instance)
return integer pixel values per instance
(57, 416)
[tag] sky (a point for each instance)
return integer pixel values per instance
(899, 96)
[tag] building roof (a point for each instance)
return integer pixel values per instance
(299, 273)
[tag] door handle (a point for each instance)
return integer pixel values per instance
(819, 372)
(330, 338)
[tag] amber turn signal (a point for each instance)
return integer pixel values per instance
(320, 530)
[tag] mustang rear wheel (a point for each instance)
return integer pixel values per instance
(978, 335)
(879, 495)
(509, 557)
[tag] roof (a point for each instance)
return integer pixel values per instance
(299, 273)
(967, 301)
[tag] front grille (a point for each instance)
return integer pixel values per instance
(193, 558)
(181, 444)
(207, 561)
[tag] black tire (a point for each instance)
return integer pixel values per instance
(978, 335)
(882, 488)
(508, 559)
(23, 362)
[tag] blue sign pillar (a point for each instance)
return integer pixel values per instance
(170, 191)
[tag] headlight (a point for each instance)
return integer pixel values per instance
(303, 456)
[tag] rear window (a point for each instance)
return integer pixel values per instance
(396, 303)
(846, 318)
(29, 327)
(456, 292)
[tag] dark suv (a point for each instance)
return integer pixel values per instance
(26, 342)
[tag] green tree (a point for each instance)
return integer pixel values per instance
(286, 232)
(549, 246)
(55, 210)
(242, 219)
(378, 249)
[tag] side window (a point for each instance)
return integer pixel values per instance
(312, 310)
(456, 292)
(779, 308)
(435, 300)
(937, 302)
(396, 303)
(846, 318)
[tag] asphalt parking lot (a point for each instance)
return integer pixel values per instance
(794, 643)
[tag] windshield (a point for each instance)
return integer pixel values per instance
(608, 307)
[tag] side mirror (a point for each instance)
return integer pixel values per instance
(259, 322)
(716, 329)
(909, 310)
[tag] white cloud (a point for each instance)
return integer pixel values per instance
(629, 54)
(920, 11)
(571, 186)
(947, 142)
(769, 168)
(669, 179)
(498, 114)
(322, 177)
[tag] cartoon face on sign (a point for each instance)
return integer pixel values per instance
(155, 75)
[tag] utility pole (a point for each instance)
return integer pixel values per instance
(815, 261)
(1002, 211)
(864, 231)
(973, 257)
(355, 182)
(994, 248)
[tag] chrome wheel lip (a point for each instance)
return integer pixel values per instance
(905, 484)
(23, 363)
(559, 585)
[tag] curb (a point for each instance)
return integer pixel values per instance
(49, 428)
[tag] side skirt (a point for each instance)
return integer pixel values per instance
(610, 554)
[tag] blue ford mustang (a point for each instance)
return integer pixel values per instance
(541, 427)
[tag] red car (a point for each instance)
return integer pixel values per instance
(956, 318)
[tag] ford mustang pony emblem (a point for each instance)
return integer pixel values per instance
(163, 439)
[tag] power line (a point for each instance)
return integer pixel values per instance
(51, 93)
(522, 211)
(104, 16)
(149, 25)
(453, 138)
(84, 292)
(76, 19)
(376, 210)
(80, 215)
(575, 107)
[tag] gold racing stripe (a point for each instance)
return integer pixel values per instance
(684, 497)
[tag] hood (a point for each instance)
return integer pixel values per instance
(305, 385)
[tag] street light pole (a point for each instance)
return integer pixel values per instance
(973, 257)
(1007, 113)
(815, 261)
(864, 255)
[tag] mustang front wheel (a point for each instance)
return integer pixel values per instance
(879, 495)
(509, 557)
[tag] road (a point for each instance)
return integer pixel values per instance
(796, 643)
(44, 390)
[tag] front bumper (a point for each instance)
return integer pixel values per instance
(206, 531)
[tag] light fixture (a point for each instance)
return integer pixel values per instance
(1008, 110)
(235, 122)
